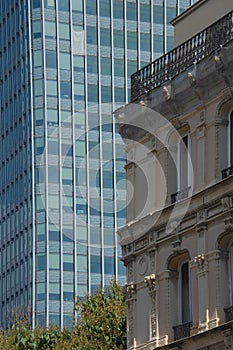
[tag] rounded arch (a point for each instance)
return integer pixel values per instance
(224, 240)
(175, 259)
(224, 107)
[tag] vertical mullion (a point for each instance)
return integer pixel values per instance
(33, 267)
(87, 154)
(101, 146)
(45, 166)
(60, 166)
(73, 155)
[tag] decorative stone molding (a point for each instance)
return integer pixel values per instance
(201, 216)
(176, 245)
(130, 324)
(150, 282)
(228, 341)
(152, 259)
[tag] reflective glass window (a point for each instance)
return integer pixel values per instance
(158, 14)
(132, 40)
(145, 42)
(131, 11)
(91, 8)
(64, 60)
(35, 4)
(105, 37)
(171, 14)
(36, 29)
(65, 89)
(118, 9)
(51, 88)
(105, 8)
(105, 66)
(91, 35)
(92, 64)
(64, 31)
(158, 43)
(118, 38)
(50, 29)
(37, 59)
(51, 59)
(63, 5)
(95, 264)
(144, 13)
(54, 261)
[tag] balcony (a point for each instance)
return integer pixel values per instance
(229, 314)
(227, 172)
(182, 331)
(183, 56)
(175, 197)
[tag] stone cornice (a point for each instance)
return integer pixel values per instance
(139, 235)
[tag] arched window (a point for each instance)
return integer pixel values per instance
(229, 310)
(229, 158)
(182, 330)
(183, 168)
(184, 294)
(230, 140)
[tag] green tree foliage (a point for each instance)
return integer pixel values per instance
(101, 326)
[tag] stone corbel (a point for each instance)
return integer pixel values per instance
(194, 83)
(150, 282)
(222, 65)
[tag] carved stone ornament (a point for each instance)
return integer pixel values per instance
(150, 282)
(142, 265)
(130, 289)
(199, 260)
(226, 203)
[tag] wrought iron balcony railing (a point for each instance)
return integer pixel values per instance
(183, 56)
(227, 172)
(229, 314)
(180, 195)
(182, 331)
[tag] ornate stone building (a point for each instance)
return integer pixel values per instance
(178, 240)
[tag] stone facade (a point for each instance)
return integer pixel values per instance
(177, 243)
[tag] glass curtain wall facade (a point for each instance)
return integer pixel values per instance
(64, 68)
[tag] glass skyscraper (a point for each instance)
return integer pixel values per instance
(64, 68)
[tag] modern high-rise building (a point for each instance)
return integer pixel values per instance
(64, 68)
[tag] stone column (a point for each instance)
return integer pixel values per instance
(130, 290)
(202, 274)
(152, 285)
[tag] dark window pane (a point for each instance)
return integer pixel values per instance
(95, 264)
(51, 59)
(91, 35)
(65, 89)
(36, 4)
